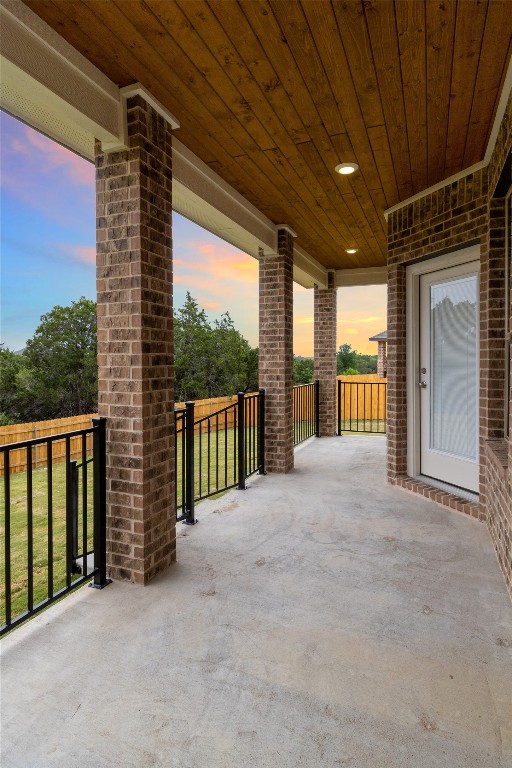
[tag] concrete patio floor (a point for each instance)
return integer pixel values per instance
(320, 618)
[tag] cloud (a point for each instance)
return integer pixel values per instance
(213, 306)
(303, 320)
(79, 254)
(55, 156)
(369, 319)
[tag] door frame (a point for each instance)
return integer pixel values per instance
(414, 271)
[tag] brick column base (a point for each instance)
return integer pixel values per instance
(325, 355)
(276, 351)
(135, 344)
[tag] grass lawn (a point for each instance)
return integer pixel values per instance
(19, 534)
(215, 457)
(214, 470)
(369, 426)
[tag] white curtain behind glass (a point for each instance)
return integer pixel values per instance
(454, 386)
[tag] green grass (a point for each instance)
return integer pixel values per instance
(223, 449)
(19, 514)
(19, 534)
(368, 426)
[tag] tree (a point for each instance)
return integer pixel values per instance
(346, 358)
(302, 370)
(12, 394)
(210, 360)
(61, 374)
(350, 362)
(191, 351)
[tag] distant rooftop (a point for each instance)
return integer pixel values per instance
(383, 336)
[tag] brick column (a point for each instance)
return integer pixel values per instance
(135, 344)
(325, 354)
(276, 350)
(381, 359)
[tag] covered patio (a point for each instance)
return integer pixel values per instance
(321, 618)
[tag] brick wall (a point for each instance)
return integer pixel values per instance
(459, 214)
(325, 355)
(276, 351)
(382, 359)
(135, 347)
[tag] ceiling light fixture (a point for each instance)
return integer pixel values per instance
(346, 168)
(351, 250)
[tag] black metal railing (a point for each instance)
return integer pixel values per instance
(362, 406)
(306, 411)
(218, 451)
(54, 520)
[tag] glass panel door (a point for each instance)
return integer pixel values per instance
(449, 355)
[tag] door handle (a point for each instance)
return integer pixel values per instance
(422, 384)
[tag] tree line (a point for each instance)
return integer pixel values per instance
(56, 375)
(349, 362)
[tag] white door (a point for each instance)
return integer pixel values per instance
(448, 378)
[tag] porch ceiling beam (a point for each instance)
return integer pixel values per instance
(51, 86)
(344, 278)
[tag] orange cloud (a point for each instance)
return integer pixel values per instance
(79, 254)
(213, 306)
(56, 156)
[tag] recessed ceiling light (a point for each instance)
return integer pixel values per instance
(346, 168)
(351, 250)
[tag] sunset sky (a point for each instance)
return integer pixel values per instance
(48, 253)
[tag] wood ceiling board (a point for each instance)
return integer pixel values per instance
(469, 30)
(440, 38)
(76, 17)
(496, 42)
(273, 94)
(170, 64)
(322, 157)
(410, 21)
(277, 51)
(345, 214)
(336, 148)
(353, 45)
(381, 21)
(171, 20)
(199, 67)
(280, 117)
(307, 62)
(88, 46)
(241, 34)
(379, 142)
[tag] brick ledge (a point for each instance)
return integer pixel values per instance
(443, 498)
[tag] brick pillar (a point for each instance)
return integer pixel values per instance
(397, 373)
(381, 359)
(276, 350)
(135, 344)
(325, 355)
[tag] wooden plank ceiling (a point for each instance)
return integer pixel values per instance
(272, 95)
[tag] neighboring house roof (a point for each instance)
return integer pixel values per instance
(383, 336)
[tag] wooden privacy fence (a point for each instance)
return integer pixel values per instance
(16, 433)
(361, 400)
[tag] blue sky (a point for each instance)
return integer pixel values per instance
(48, 252)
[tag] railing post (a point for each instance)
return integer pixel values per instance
(317, 408)
(339, 407)
(73, 515)
(189, 464)
(100, 503)
(241, 441)
(261, 432)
